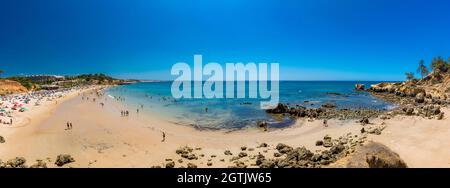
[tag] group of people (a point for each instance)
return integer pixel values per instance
(69, 125)
(5, 122)
(124, 113)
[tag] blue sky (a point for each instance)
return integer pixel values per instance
(311, 39)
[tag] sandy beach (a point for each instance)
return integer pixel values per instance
(101, 137)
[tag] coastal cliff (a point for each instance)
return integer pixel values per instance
(10, 87)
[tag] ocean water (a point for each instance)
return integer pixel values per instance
(245, 112)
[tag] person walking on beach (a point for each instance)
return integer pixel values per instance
(164, 136)
(137, 110)
(121, 113)
(70, 125)
(10, 121)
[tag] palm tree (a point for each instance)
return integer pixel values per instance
(422, 69)
(409, 75)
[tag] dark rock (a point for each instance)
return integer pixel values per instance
(373, 155)
(336, 149)
(18, 162)
(327, 142)
(227, 152)
(39, 164)
(440, 116)
(359, 86)
(299, 154)
(170, 164)
(329, 105)
(263, 145)
(279, 109)
(267, 164)
(243, 148)
(242, 154)
(364, 121)
(184, 150)
(262, 124)
(283, 148)
(420, 98)
(319, 142)
(276, 154)
(64, 159)
(316, 158)
(191, 165)
(409, 110)
(192, 156)
(209, 164)
(259, 159)
(2, 140)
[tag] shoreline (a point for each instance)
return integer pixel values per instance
(102, 138)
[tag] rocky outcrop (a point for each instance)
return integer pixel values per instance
(2, 140)
(373, 155)
(359, 87)
(18, 162)
(63, 159)
(39, 164)
(384, 87)
(327, 111)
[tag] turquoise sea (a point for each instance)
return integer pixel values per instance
(238, 113)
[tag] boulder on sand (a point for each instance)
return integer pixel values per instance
(18, 162)
(372, 155)
(2, 140)
(64, 159)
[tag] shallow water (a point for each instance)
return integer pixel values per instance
(240, 113)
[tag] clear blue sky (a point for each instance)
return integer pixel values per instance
(311, 39)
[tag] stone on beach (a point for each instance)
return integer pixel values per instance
(63, 159)
(373, 155)
(18, 162)
(283, 148)
(170, 164)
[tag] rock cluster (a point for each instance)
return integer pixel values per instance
(186, 152)
(63, 159)
(20, 162)
(300, 157)
(327, 111)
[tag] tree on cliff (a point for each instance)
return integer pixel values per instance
(439, 65)
(409, 75)
(422, 69)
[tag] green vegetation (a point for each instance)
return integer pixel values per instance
(98, 77)
(439, 65)
(68, 81)
(409, 75)
(422, 69)
(26, 82)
